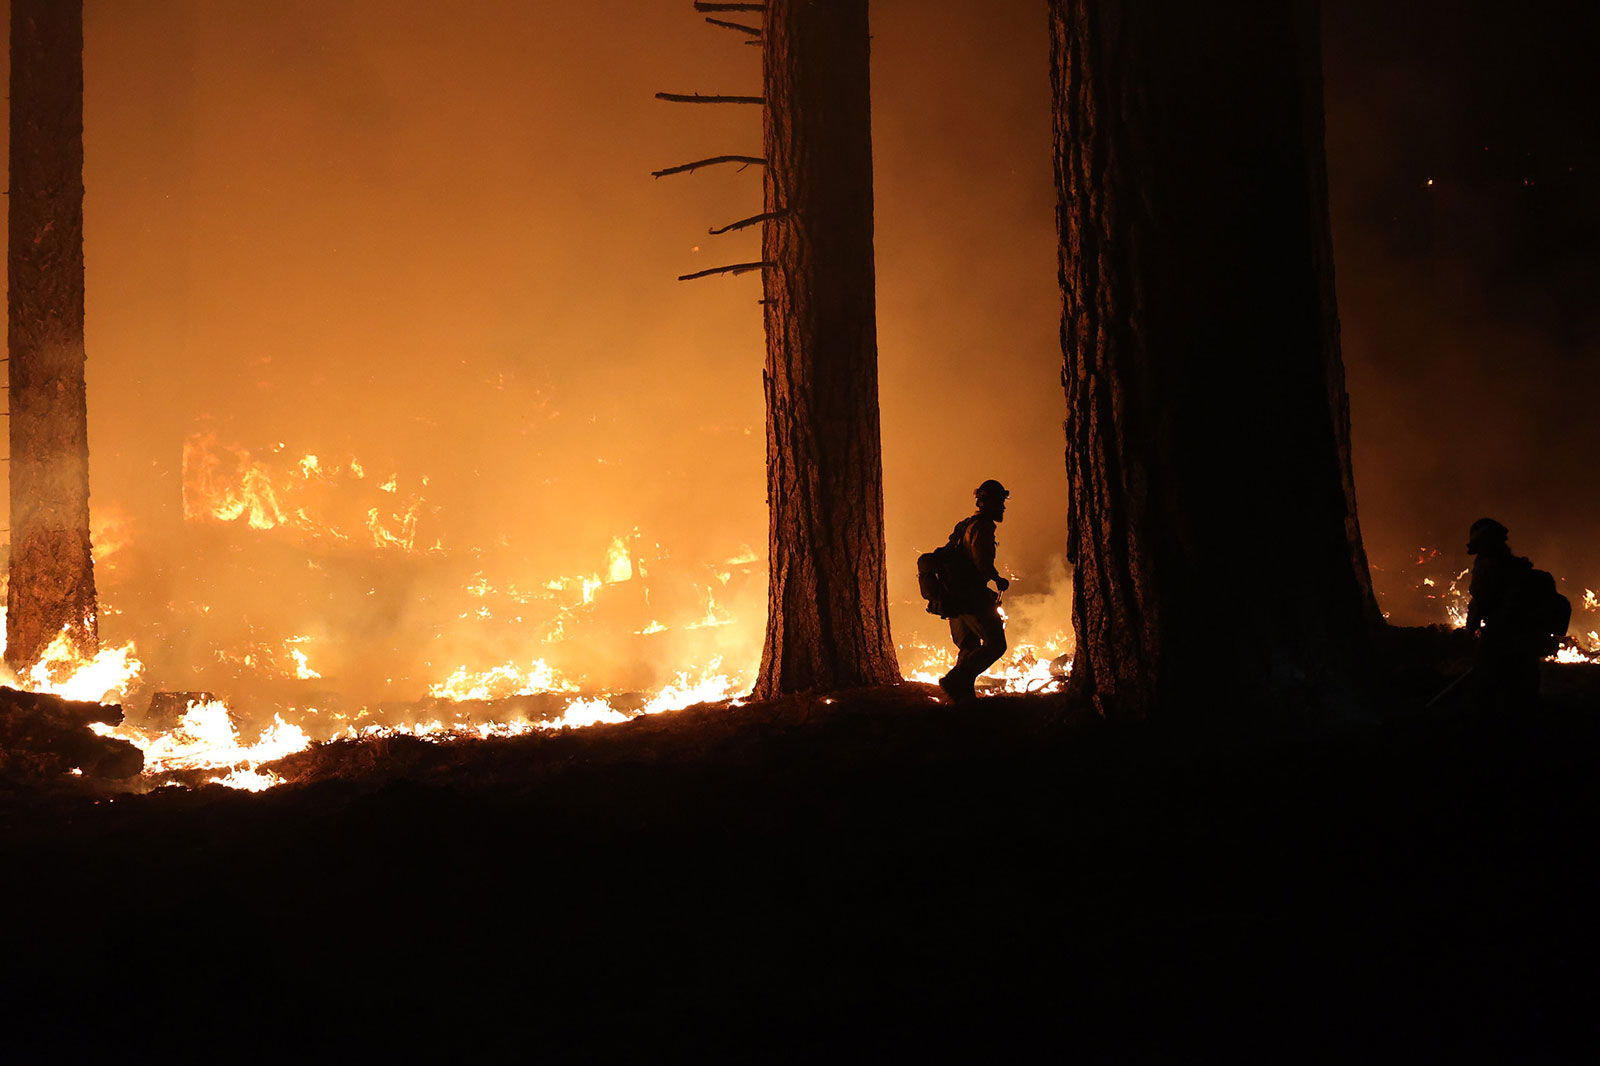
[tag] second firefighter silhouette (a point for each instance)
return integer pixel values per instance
(1517, 617)
(974, 609)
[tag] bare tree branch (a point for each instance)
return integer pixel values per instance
(702, 5)
(754, 31)
(745, 160)
(736, 268)
(696, 98)
(745, 223)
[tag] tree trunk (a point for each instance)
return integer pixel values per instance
(51, 570)
(827, 606)
(1211, 519)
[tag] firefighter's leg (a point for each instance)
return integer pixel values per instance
(992, 631)
(967, 632)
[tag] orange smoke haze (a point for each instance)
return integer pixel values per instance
(421, 241)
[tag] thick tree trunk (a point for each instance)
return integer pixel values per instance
(52, 573)
(828, 610)
(1211, 519)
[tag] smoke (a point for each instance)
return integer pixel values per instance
(423, 238)
(1465, 174)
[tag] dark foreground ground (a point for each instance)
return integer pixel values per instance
(874, 879)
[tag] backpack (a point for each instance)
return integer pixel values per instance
(945, 574)
(1541, 611)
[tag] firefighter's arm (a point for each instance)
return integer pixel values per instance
(983, 550)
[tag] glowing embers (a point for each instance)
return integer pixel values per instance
(1447, 592)
(291, 660)
(305, 496)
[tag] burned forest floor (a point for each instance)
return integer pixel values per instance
(876, 877)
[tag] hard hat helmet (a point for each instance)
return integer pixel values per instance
(991, 489)
(1485, 531)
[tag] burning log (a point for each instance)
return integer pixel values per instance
(43, 737)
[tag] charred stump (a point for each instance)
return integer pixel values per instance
(1211, 520)
(51, 569)
(828, 611)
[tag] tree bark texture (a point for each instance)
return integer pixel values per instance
(51, 569)
(1211, 519)
(827, 609)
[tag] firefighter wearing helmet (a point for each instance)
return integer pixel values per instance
(1506, 658)
(976, 626)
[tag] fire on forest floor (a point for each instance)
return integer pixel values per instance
(202, 742)
(275, 702)
(308, 596)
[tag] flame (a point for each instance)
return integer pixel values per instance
(709, 687)
(206, 739)
(64, 671)
(110, 530)
(302, 668)
(289, 660)
(501, 682)
(226, 483)
(715, 615)
(586, 712)
(1026, 667)
(1457, 599)
(404, 538)
(619, 567)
